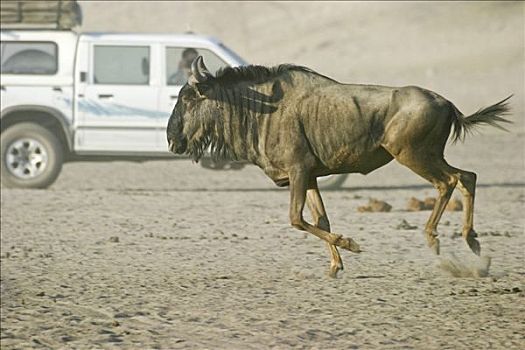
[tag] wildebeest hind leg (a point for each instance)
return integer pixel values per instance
(444, 179)
(298, 187)
(467, 186)
(316, 206)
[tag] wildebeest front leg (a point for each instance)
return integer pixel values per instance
(316, 206)
(298, 187)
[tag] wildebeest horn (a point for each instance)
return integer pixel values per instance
(199, 70)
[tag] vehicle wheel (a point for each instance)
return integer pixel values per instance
(331, 182)
(237, 165)
(31, 156)
(211, 164)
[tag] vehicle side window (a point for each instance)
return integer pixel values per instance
(29, 58)
(179, 59)
(121, 65)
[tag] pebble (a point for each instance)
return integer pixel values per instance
(415, 204)
(114, 338)
(66, 338)
(375, 206)
(105, 331)
(404, 225)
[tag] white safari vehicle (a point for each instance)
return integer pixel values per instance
(73, 96)
(67, 96)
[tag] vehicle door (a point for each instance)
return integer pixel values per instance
(118, 99)
(31, 77)
(177, 67)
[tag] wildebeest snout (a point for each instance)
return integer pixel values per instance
(177, 146)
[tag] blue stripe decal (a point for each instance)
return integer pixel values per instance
(115, 110)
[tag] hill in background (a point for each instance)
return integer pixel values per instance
(470, 52)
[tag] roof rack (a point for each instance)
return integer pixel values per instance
(60, 14)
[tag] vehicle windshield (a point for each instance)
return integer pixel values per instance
(234, 55)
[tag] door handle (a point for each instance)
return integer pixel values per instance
(173, 97)
(105, 95)
(57, 88)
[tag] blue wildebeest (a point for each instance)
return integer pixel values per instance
(296, 125)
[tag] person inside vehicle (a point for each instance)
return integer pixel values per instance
(184, 71)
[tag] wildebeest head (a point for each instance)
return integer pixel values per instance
(187, 126)
(221, 113)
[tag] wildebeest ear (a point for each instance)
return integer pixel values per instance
(202, 89)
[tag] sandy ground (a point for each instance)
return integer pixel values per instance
(165, 254)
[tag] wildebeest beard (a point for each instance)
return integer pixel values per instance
(230, 127)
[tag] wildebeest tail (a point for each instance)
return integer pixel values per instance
(492, 115)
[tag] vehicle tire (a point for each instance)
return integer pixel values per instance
(331, 182)
(209, 163)
(31, 156)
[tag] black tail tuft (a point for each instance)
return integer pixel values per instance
(492, 115)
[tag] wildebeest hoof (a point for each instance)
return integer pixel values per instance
(433, 242)
(434, 246)
(334, 269)
(333, 272)
(348, 244)
(474, 245)
(470, 233)
(472, 242)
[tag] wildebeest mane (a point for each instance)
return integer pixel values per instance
(258, 74)
(231, 86)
